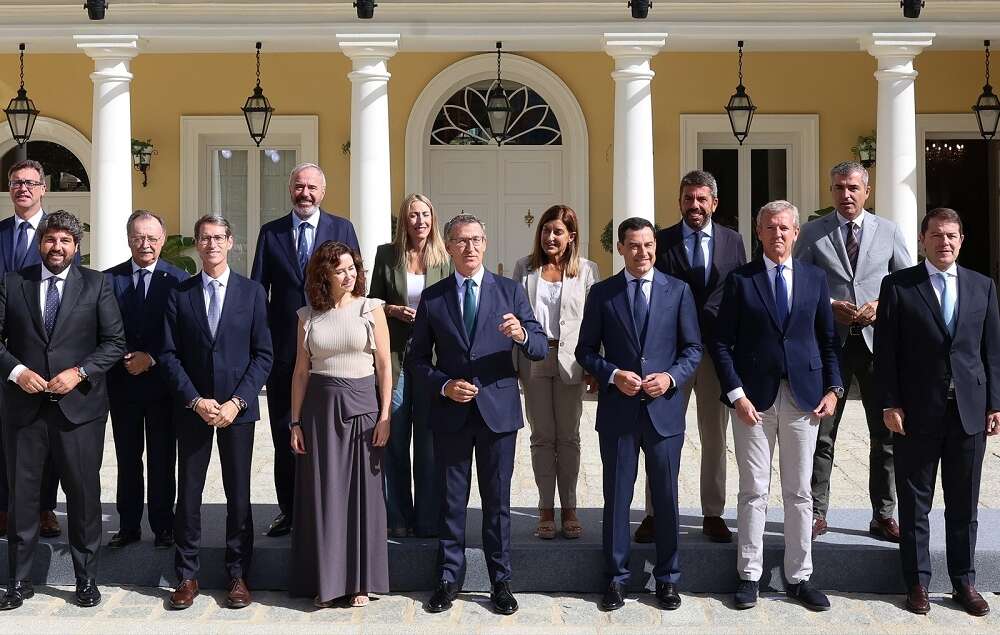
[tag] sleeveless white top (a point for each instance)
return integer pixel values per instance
(341, 341)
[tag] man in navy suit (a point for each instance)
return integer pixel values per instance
(639, 338)
(702, 253)
(140, 399)
(216, 355)
(19, 249)
(775, 350)
(937, 357)
(465, 330)
(283, 249)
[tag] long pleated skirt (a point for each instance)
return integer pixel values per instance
(339, 537)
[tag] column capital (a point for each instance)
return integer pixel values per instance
(903, 46)
(105, 47)
(634, 44)
(368, 46)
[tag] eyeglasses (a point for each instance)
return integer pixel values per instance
(218, 239)
(298, 187)
(136, 241)
(14, 185)
(475, 241)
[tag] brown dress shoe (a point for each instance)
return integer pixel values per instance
(819, 527)
(715, 528)
(48, 526)
(917, 600)
(971, 601)
(183, 597)
(3, 524)
(646, 533)
(884, 529)
(239, 595)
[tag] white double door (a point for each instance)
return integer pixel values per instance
(506, 188)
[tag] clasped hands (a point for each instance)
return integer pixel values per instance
(850, 315)
(749, 415)
(31, 382)
(654, 384)
(215, 414)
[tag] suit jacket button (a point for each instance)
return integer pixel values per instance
(642, 359)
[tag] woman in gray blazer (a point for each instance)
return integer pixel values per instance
(413, 261)
(557, 281)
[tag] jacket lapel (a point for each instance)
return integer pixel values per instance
(965, 292)
(619, 300)
(31, 287)
(868, 231)
(71, 294)
(926, 290)
(799, 284)
(196, 296)
(451, 302)
(657, 306)
(531, 285)
(287, 239)
(399, 281)
(7, 244)
(230, 304)
(485, 308)
(766, 295)
(836, 236)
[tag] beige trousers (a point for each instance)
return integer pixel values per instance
(553, 410)
(794, 430)
(713, 421)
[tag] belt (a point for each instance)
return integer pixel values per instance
(553, 343)
(52, 397)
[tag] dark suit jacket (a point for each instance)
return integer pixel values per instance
(143, 330)
(728, 253)
(916, 357)
(32, 257)
(276, 267)
(751, 348)
(387, 282)
(88, 332)
(486, 361)
(235, 363)
(672, 345)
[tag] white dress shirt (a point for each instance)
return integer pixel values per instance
(32, 228)
(859, 221)
(135, 275)
(58, 279)
(706, 244)
(312, 221)
(477, 278)
(206, 281)
(951, 273)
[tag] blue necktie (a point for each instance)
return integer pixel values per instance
(947, 304)
(697, 261)
(303, 246)
(780, 295)
(21, 246)
(640, 309)
(214, 306)
(51, 305)
(140, 286)
(469, 307)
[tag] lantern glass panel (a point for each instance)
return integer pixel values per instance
(498, 110)
(987, 113)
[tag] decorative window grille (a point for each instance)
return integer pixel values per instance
(463, 119)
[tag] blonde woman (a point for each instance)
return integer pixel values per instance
(413, 261)
(557, 281)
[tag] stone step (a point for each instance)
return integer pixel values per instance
(846, 559)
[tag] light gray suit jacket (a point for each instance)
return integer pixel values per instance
(574, 295)
(882, 251)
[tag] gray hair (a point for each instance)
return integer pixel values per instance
(61, 220)
(27, 164)
(462, 219)
(776, 207)
(847, 168)
(700, 178)
(305, 166)
(140, 214)
(212, 219)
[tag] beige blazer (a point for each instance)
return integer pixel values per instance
(574, 294)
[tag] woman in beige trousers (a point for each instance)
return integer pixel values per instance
(557, 281)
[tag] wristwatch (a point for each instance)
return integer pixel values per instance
(82, 373)
(838, 391)
(293, 424)
(242, 405)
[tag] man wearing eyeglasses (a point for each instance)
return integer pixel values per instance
(283, 250)
(19, 249)
(140, 400)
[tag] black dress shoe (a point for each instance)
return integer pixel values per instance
(124, 537)
(16, 594)
(746, 594)
(811, 597)
(164, 539)
(614, 597)
(503, 599)
(87, 594)
(666, 593)
(280, 526)
(443, 596)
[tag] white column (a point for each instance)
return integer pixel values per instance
(896, 129)
(371, 194)
(633, 150)
(111, 136)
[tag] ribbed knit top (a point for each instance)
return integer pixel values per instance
(341, 341)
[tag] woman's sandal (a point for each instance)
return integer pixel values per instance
(571, 528)
(546, 529)
(324, 604)
(359, 600)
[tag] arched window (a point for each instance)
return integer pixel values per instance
(63, 171)
(463, 119)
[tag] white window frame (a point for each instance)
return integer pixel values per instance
(797, 134)
(199, 135)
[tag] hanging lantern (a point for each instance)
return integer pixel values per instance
(257, 109)
(21, 112)
(740, 107)
(498, 106)
(987, 107)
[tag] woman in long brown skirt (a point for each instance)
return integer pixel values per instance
(341, 392)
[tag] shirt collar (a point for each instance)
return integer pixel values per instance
(312, 220)
(46, 274)
(648, 276)
(135, 267)
(860, 220)
(770, 264)
(223, 278)
(687, 231)
(476, 277)
(33, 220)
(931, 269)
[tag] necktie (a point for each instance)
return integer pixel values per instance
(214, 306)
(303, 246)
(51, 305)
(469, 307)
(947, 304)
(21, 246)
(852, 244)
(780, 295)
(640, 309)
(697, 261)
(140, 286)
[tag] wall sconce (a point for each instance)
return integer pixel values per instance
(142, 156)
(864, 151)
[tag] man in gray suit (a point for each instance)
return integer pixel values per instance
(856, 249)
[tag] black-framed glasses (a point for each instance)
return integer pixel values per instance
(28, 184)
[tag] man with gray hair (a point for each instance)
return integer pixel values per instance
(283, 250)
(856, 249)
